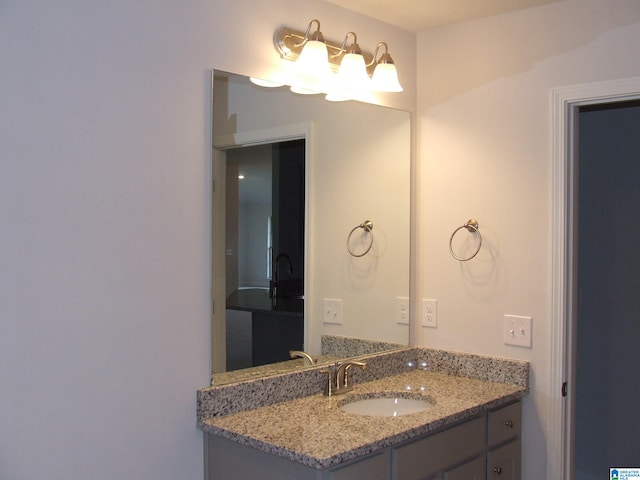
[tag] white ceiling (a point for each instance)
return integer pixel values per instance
(418, 15)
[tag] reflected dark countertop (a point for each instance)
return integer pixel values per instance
(257, 300)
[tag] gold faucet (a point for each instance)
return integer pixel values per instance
(301, 354)
(338, 378)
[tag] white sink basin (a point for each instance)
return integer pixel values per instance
(393, 406)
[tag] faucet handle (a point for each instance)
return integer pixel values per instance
(342, 374)
(329, 385)
(338, 379)
(362, 365)
(345, 379)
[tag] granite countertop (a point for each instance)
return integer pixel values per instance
(314, 431)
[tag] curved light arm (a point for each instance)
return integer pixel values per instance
(317, 35)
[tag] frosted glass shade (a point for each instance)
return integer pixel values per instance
(265, 83)
(336, 97)
(352, 79)
(352, 74)
(312, 72)
(385, 78)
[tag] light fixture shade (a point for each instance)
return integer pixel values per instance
(352, 74)
(336, 97)
(352, 78)
(313, 72)
(265, 83)
(385, 78)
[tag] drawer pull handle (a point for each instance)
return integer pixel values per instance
(509, 423)
(498, 470)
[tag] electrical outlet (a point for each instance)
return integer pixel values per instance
(517, 330)
(429, 313)
(402, 310)
(333, 310)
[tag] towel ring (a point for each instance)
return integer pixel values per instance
(472, 226)
(367, 226)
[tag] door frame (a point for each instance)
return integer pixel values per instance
(565, 104)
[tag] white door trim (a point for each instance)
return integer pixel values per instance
(565, 101)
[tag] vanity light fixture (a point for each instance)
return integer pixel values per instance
(316, 60)
(385, 75)
(352, 76)
(312, 66)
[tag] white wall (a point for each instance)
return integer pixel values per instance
(484, 120)
(104, 229)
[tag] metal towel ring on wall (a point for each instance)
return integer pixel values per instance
(367, 226)
(472, 226)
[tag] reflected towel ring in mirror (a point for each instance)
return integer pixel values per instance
(367, 226)
(472, 226)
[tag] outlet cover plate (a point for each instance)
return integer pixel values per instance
(429, 313)
(517, 330)
(402, 310)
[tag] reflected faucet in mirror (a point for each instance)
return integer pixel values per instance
(298, 353)
(273, 283)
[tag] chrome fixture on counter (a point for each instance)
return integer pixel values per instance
(338, 377)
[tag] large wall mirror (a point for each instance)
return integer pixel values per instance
(294, 178)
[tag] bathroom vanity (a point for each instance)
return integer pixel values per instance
(487, 446)
(470, 429)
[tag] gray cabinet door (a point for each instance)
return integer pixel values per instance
(504, 463)
(505, 424)
(432, 454)
(375, 468)
(473, 470)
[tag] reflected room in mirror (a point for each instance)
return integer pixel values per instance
(265, 253)
(313, 172)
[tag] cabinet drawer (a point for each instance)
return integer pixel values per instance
(504, 463)
(432, 454)
(505, 423)
(473, 470)
(374, 468)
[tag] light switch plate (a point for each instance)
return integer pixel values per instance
(333, 310)
(517, 330)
